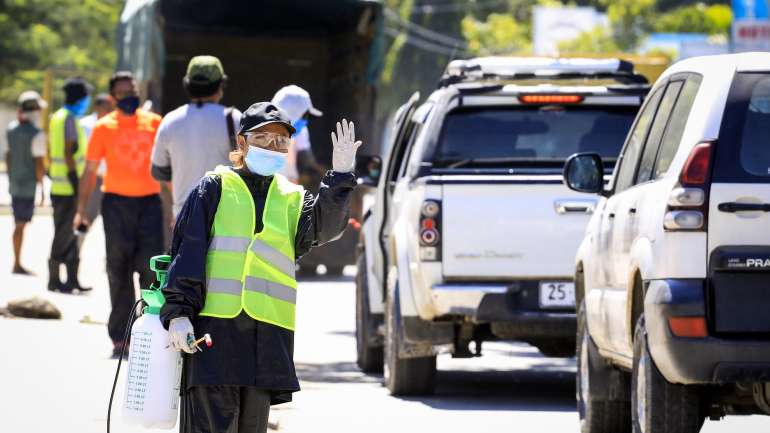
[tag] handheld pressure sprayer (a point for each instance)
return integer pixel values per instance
(154, 369)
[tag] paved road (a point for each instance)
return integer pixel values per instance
(56, 375)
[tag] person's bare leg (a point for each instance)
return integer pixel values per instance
(18, 238)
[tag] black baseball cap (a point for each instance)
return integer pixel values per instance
(262, 113)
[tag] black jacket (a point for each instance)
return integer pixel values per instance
(246, 352)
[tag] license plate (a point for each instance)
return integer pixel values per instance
(557, 294)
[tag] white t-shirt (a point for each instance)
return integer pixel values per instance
(192, 140)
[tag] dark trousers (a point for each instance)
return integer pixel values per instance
(133, 233)
(224, 409)
(64, 248)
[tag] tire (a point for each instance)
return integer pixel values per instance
(602, 391)
(657, 405)
(370, 357)
(409, 376)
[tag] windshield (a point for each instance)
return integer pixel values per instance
(531, 135)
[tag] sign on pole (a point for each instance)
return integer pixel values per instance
(751, 25)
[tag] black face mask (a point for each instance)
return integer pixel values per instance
(129, 104)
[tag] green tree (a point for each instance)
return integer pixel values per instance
(597, 40)
(499, 34)
(70, 36)
(699, 18)
(631, 20)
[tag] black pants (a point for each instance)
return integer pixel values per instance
(133, 233)
(64, 247)
(224, 409)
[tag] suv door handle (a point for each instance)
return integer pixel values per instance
(611, 215)
(576, 206)
(632, 210)
(732, 207)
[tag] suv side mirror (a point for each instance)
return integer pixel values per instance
(368, 169)
(584, 172)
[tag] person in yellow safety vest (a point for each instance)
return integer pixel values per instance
(67, 149)
(234, 252)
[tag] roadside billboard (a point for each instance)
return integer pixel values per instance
(751, 25)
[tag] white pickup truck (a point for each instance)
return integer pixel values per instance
(472, 235)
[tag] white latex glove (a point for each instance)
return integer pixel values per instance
(345, 147)
(181, 333)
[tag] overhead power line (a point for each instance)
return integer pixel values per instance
(431, 36)
(425, 44)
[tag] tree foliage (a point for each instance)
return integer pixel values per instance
(69, 36)
(499, 34)
(698, 18)
(597, 40)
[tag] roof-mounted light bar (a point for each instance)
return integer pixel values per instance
(502, 68)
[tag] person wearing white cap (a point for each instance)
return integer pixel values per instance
(24, 163)
(296, 102)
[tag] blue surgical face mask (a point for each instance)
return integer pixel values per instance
(264, 162)
(80, 108)
(298, 126)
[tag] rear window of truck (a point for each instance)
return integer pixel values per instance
(530, 135)
(743, 147)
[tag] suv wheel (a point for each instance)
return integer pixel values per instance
(370, 355)
(657, 405)
(409, 376)
(601, 389)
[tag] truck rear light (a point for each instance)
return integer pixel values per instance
(429, 237)
(686, 197)
(698, 166)
(688, 202)
(688, 326)
(550, 99)
(428, 254)
(683, 220)
(430, 208)
(430, 231)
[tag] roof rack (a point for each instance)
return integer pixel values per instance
(522, 68)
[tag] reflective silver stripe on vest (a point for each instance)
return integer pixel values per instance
(274, 290)
(274, 257)
(61, 179)
(221, 285)
(229, 243)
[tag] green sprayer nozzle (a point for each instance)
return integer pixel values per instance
(153, 296)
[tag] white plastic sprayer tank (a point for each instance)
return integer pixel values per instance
(154, 369)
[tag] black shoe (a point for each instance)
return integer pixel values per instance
(69, 288)
(54, 283)
(72, 277)
(19, 270)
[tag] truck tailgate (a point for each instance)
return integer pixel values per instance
(512, 230)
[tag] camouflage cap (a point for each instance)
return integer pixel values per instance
(204, 70)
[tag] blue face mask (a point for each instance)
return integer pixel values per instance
(264, 162)
(80, 108)
(299, 125)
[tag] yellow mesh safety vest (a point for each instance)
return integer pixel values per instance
(253, 272)
(60, 184)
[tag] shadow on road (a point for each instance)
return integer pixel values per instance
(302, 278)
(547, 388)
(333, 372)
(517, 390)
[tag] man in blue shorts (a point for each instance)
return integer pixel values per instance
(24, 162)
